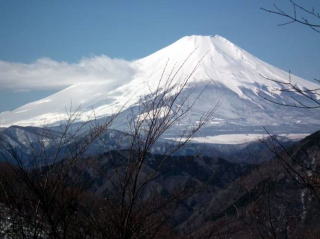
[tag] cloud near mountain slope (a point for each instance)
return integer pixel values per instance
(45, 73)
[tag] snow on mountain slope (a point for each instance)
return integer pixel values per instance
(242, 138)
(230, 75)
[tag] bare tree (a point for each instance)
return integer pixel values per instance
(42, 197)
(301, 171)
(49, 198)
(139, 215)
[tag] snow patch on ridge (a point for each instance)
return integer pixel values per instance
(238, 138)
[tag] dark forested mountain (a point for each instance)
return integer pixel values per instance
(278, 199)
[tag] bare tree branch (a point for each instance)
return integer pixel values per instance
(299, 14)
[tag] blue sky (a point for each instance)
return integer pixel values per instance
(77, 31)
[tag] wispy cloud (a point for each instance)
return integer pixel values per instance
(46, 73)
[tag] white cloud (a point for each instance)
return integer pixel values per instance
(46, 73)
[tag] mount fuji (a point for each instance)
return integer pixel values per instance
(225, 75)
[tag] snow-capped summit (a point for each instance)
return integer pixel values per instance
(232, 76)
(221, 62)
